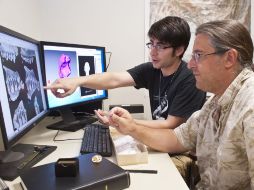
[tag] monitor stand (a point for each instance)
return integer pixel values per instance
(70, 122)
(20, 157)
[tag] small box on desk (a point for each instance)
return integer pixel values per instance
(128, 151)
(67, 167)
(141, 157)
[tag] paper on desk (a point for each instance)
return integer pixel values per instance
(126, 145)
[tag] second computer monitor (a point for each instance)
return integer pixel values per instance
(62, 60)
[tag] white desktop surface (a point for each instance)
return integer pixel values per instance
(167, 177)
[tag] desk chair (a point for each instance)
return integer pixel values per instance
(187, 167)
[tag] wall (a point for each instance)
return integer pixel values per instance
(21, 16)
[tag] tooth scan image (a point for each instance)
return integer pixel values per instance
(20, 72)
(60, 64)
(13, 82)
(32, 83)
(36, 106)
(64, 66)
(20, 116)
(27, 55)
(86, 67)
(8, 52)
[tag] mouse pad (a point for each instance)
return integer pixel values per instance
(9, 170)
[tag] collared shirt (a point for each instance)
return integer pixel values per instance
(222, 133)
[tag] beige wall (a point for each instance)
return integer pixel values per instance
(21, 16)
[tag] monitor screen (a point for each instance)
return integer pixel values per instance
(22, 96)
(62, 60)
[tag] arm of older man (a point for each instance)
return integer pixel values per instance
(163, 140)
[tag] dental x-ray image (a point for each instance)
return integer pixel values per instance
(22, 83)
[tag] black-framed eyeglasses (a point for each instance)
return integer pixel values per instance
(196, 56)
(158, 46)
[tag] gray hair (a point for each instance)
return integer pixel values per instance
(229, 34)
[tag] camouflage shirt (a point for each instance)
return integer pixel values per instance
(222, 133)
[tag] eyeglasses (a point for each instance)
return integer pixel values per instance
(158, 47)
(197, 55)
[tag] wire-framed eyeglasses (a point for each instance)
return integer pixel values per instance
(196, 56)
(158, 46)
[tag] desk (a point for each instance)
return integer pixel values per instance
(168, 176)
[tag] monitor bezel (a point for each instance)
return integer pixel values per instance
(9, 143)
(62, 44)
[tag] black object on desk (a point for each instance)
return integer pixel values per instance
(92, 175)
(143, 171)
(67, 167)
(32, 155)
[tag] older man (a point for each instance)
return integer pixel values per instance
(222, 132)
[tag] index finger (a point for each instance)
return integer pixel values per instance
(100, 114)
(102, 118)
(52, 86)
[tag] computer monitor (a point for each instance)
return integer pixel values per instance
(63, 60)
(22, 98)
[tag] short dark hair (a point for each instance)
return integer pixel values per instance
(171, 30)
(227, 34)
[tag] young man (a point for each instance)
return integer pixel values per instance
(222, 131)
(173, 94)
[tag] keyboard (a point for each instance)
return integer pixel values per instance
(96, 139)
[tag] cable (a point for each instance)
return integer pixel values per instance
(109, 59)
(57, 140)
